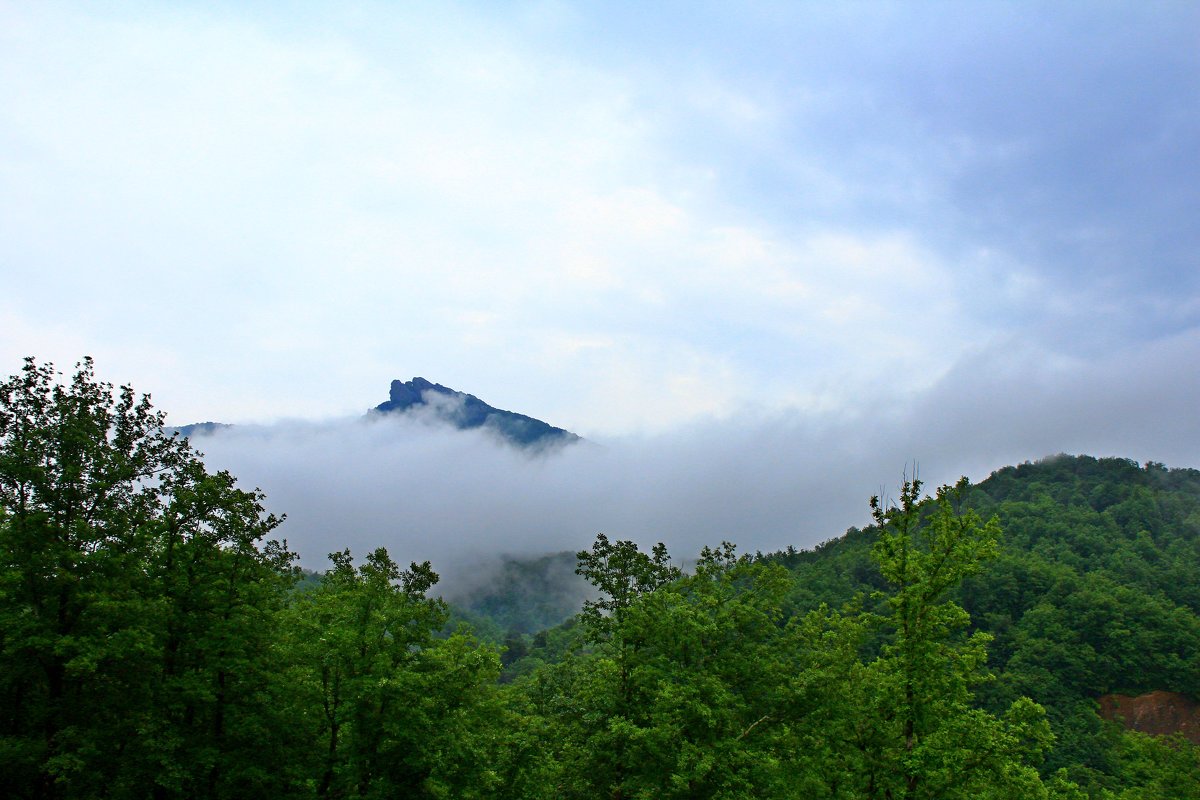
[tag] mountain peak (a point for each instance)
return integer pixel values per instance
(404, 395)
(466, 411)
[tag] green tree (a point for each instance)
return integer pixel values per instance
(679, 697)
(621, 573)
(392, 710)
(1154, 768)
(935, 744)
(218, 727)
(132, 600)
(710, 677)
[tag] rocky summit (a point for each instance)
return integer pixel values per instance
(466, 411)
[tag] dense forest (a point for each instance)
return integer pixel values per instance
(155, 642)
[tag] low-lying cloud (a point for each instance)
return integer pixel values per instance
(458, 498)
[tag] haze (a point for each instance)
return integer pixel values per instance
(459, 498)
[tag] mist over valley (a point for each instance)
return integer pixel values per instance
(418, 484)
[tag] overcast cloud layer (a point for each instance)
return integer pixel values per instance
(797, 243)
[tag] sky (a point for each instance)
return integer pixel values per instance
(763, 256)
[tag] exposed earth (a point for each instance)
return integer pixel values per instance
(1158, 713)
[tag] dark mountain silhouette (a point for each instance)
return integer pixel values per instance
(466, 411)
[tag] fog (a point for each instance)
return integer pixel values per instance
(762, 480)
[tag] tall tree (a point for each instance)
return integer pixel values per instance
(393, 710)
(678, 697)
(934, 743)
(131, 598)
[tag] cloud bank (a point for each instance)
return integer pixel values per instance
(763, 481)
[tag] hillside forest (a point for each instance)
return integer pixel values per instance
(157, 642)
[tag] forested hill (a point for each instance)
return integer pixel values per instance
(1099, 569)
(1095, 589)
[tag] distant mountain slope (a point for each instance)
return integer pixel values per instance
(466, 411)
(1096, 590)
(527, 595)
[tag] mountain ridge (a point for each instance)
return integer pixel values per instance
(459, 409)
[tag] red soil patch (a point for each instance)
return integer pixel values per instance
(1158, 713)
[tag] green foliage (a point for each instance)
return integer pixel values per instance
(696, 687)
(940, 746)
(394, 700)
(881, 697)
(1093, 589)
(135, 599)
(153, 643)
(1150, 768)
(621, 573)
(678, 697)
